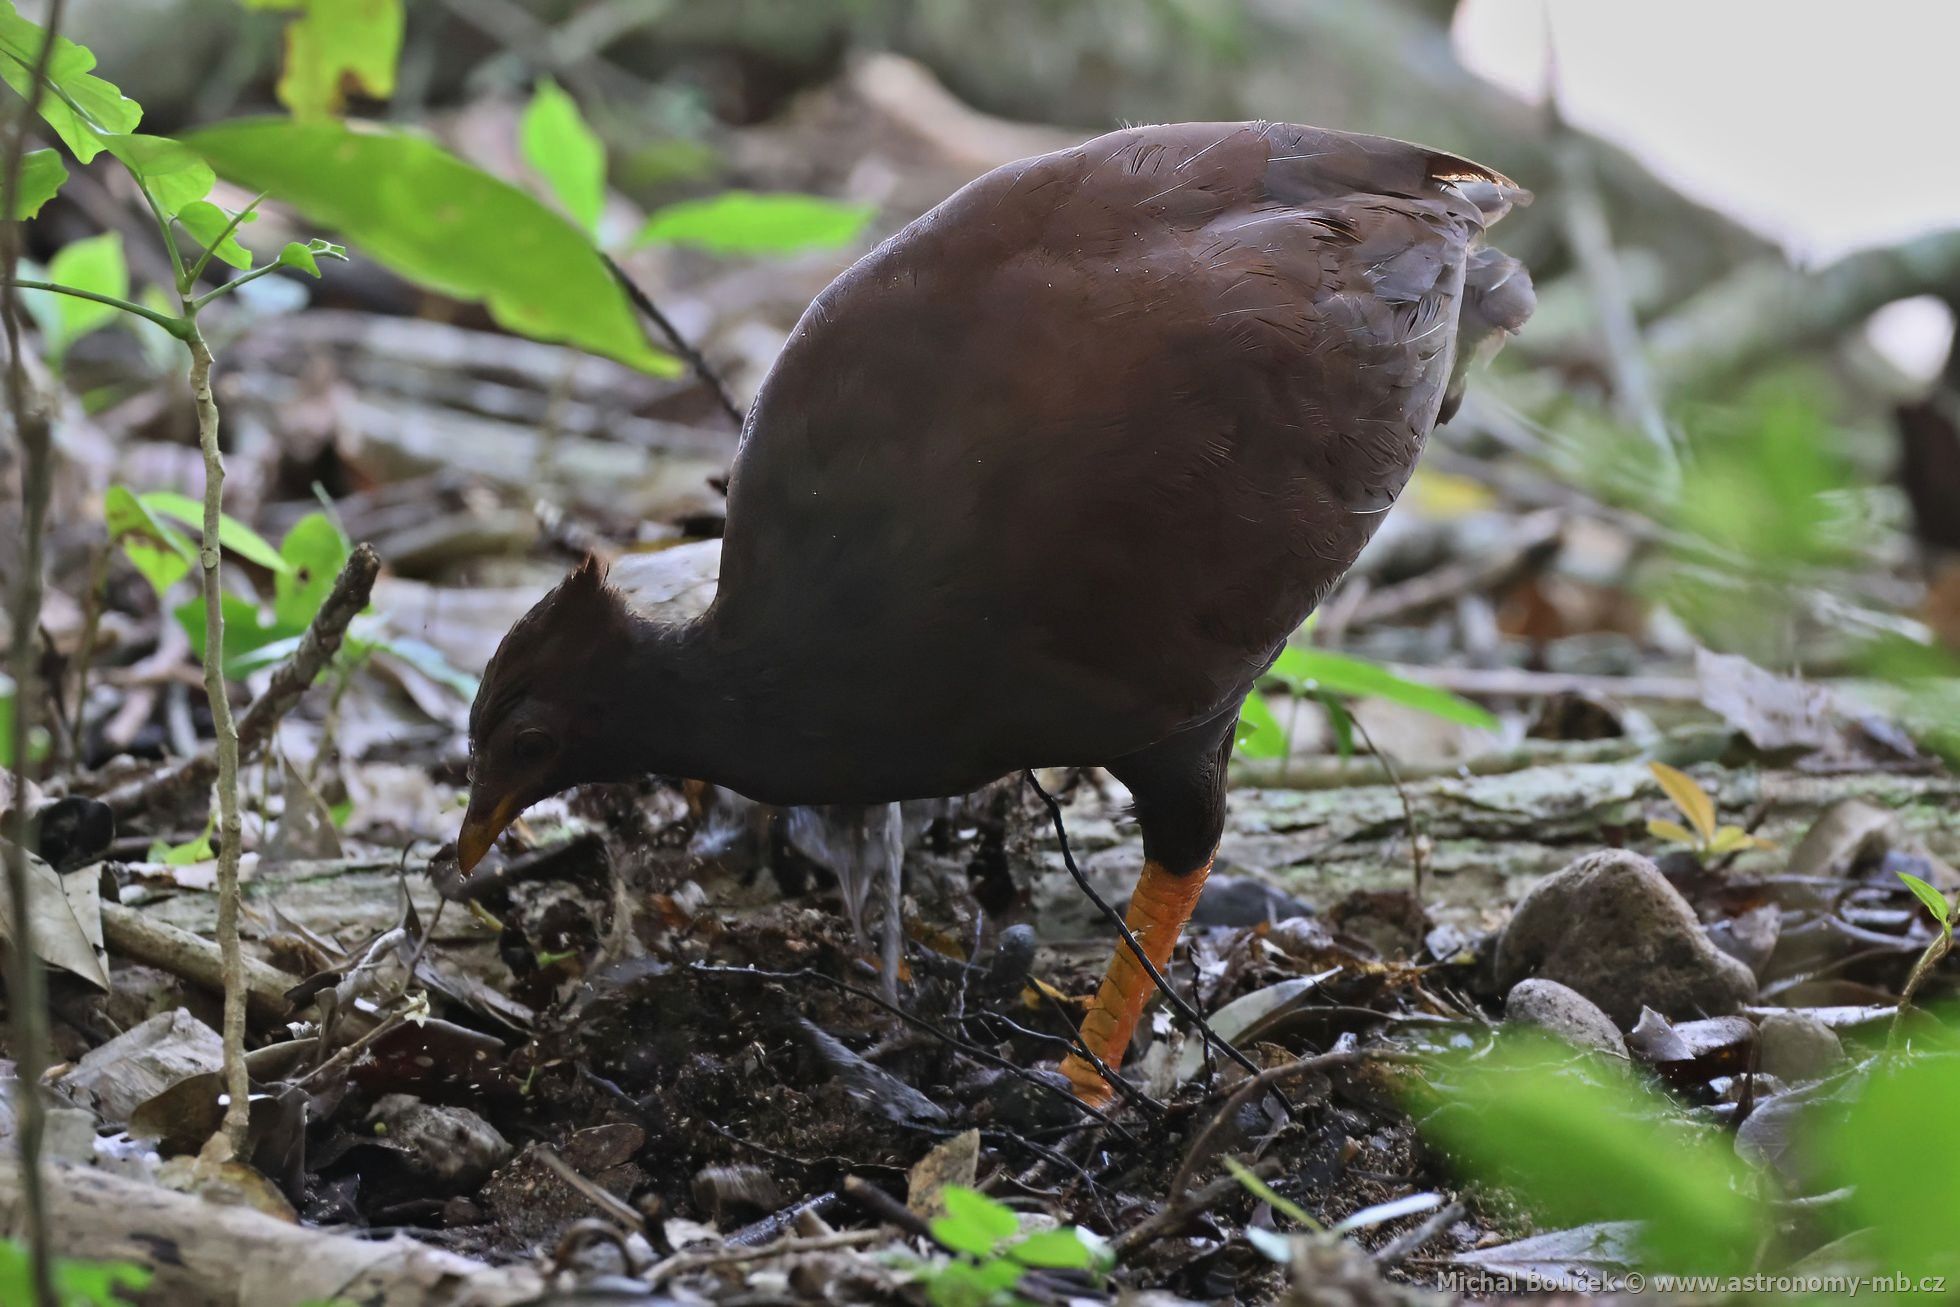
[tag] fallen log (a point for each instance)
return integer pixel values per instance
(203, 1254)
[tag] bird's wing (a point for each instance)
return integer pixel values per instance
(1116, 417)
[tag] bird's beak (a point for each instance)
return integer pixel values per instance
(482, 824)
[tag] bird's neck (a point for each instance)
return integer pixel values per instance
(683, 704)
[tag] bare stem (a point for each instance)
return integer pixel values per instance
(27, 1010)
(225, 729)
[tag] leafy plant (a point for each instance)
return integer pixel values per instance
(1706, 839)
(1334, 679)
(76, 1283)
(992, 1255)
(91, 116)
(564, 150)
(422, 212)
(1581, 1139)
(1934, 901)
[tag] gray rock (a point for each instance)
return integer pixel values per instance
(1563, 1011)
(1611, 927)
(1797, 1047)
(450, 1147)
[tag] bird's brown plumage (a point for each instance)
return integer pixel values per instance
(1048, 478)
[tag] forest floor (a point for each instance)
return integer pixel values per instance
(649, 1043)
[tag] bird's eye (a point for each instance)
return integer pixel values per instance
(532, 745)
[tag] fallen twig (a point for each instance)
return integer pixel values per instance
(684, 1263)
(205, 1252)
(289, 681)
(1398, 1248)
(605, 1200)
(128, 933)
(1261, 1082)
(1181, 1208)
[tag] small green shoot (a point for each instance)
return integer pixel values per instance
(1706, 839)
(1333, 679)
(1935, 902)
(992, 1255)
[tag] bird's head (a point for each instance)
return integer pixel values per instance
(548, 713)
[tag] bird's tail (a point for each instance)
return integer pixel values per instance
(1497, 298)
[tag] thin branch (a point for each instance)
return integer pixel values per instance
(227, 287)
(289, 681)
(1182, 1207)
(1267, 1080)
(177, 327)
(675, 341)
(1402, 793)
(164, 232)
(238, 1082)
(27, 1004)
(1115, 918)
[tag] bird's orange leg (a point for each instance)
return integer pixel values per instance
(1158, 910)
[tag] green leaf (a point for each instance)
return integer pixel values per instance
(1270, 1196)
(1885, 1147)
(232, 534)
(441, 223)
(314, 551)
(191, 851)
(1672, 831)
(170, 173)
(565, 152)
(974, 1223)
(160, 552)
(1061, 1250)
(1306, 670)
(1934, 900)
(206, 222)
(337, 44)
(1581, 1140)
(426, 659)
(93, 263)
(741, 222)
(41, 175)
(246, 630)
(81, 108)
(306, 258)
(1341, 720)
(1687, 794)
(76, 1283)
(1259, 733)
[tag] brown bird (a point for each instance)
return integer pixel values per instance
(1046, 479)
